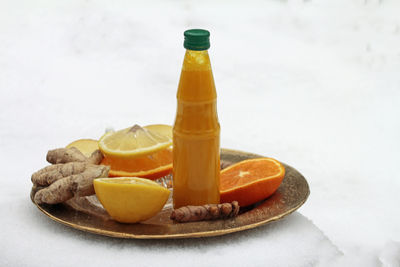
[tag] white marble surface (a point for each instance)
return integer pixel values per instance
(315, 84)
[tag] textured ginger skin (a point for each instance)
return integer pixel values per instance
(205, 212)
(95, 158)
(34, 190)
(64, 155)
(71, 176)
(52, 173)
(76, 185)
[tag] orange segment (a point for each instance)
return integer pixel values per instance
(251, 180)
(152, 166)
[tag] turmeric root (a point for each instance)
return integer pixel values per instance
(205, 212)
(60, 182)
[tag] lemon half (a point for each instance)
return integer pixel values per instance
(130, 199)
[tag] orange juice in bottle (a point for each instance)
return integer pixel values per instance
(196, 156)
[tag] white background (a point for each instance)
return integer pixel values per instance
(315, 84)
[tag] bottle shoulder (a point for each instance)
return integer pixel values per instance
(196, 61)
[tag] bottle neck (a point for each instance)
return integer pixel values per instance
(196, 61)
(196, 82)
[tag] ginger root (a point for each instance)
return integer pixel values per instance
(205, 212)
(52, 173)
(64, 155)
(76, 185)
(71, 176)
(225, 164)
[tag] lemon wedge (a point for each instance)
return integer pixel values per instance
(130, 199)
(135, 141)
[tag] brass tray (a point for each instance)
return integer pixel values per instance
(292, 193)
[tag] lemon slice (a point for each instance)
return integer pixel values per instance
(160, 129)
(86, 146)
(130, 199)
(134, 142)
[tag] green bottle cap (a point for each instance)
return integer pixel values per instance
(197, 39)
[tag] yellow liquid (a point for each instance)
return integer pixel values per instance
(196, 157)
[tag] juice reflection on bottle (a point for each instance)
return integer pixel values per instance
(196, 134)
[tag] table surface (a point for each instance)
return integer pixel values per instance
(313, 84)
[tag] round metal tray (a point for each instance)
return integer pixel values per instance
(292, 193)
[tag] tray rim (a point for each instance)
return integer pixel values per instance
(212, 233)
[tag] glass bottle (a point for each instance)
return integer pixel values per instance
(196, 132)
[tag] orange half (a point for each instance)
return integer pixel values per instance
(251, 180)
